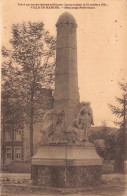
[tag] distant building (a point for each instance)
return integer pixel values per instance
(16, 143)
(12, 146)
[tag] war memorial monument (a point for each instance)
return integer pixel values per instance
(65, 157)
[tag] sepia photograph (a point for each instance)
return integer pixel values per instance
(63, 98)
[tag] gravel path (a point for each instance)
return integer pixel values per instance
(20, 185)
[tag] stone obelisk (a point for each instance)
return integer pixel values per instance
(66, 78)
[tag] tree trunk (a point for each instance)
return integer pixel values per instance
(31, 125)
(125, 136)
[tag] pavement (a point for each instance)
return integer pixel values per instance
(19, 184)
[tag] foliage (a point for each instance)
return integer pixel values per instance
(12, 110)
(31, 69)
(119, 158)
(121, 114)
(110, 143)
(121, 111)
(107, 151)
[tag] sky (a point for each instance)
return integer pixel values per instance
(101, 46)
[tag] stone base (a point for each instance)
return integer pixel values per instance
(51, 176)
(66, 166)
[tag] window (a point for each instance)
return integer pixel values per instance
(8, 152)
(18, 153)
(8, 135)
(19, 132)
(8, 155)
(18, 135)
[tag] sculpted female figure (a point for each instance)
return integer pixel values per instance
(85, 118)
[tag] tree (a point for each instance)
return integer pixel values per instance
(121, 114)
(12, 110)
(33, 51)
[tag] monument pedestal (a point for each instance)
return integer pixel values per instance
(66, 166)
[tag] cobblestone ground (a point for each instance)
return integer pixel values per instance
(20, 185)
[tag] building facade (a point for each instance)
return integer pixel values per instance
(15, 143)
(12, 146)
